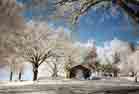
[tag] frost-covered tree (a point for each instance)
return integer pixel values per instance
(33, 44)
(10, 21)
(36, 45)
(80, 7)
(115, 69)
(7, 49)
(91, 58)
(132, 65)
(72, 10)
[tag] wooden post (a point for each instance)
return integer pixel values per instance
(11, 76)
(20, 76)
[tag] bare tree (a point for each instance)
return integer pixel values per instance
(37, 46)
(63, 52)
(54, 66)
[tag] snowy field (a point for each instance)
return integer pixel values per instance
(70, 87)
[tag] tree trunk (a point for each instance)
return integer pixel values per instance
(55, 71)
(54, 75)
(35, 74)
(11, 76)
(130, 11)
(136, 79)
(115, 73)
(20, 75)
(132, 74)
(67, 74)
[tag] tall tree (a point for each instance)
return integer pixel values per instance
(116, 58)
(32, 44)
(91, 59)
(132, 64)
(66, 50)
(37, 46)
(10, 21)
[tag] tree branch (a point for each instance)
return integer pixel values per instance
(50, 65)
(87, 6)
(48, 54)
(62, 2)
(135, 2)
(130, 12)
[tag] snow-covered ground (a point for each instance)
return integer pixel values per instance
(122, 80)
(69, 87)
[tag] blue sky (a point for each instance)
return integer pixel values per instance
(103, 25)
(100, 25)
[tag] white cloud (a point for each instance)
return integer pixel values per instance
(110, 47)
(89, 44)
